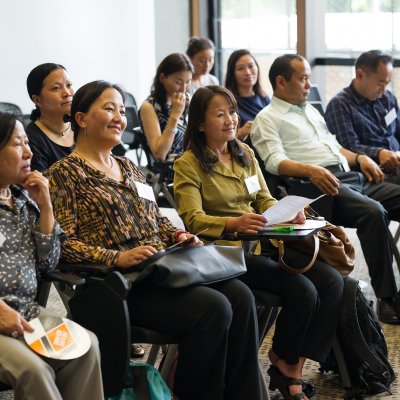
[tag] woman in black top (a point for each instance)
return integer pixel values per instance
(50, 137)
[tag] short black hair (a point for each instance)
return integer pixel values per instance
(283, 66)
(371, 59)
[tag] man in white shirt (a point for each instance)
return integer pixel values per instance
(292, 139)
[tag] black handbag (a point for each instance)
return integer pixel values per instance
(189, 266)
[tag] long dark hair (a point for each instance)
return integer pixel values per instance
(34, 82)
(86, 96)
(230, 79)
(195, 140)
(175, 62)
(8, 121)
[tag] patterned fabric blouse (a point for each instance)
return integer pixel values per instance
(163, 115)
(23, 253)
(101, 216)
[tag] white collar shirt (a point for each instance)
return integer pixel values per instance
(283, 131)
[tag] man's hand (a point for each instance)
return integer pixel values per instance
(389, 160)
(323, 179)
(370, 169)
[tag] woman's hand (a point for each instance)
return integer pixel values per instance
(244, 131)
(38, 188)
(300, 218)
(194, 242)
(248, 223)
(11, 321)
(129, 258)
(178, 104)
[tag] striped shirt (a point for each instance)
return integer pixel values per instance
(360, 125)
(101, 216)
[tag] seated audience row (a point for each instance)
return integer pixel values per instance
(215, 167)
(293, 139)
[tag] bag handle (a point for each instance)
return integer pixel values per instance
(282, 263)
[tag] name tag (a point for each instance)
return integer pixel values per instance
(2, 239)
(145, 191)
(252, 184)
(390, 116)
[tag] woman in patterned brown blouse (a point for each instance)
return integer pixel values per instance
(110, 217)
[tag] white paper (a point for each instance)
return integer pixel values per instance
(309, 224)
(286, 209)
(252, 184)
(145, 191)
(390, 116)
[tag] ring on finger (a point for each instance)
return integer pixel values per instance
(14, 334)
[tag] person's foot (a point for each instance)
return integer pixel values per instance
(137, 350)
(387, 312)
(273, 358)
(396, 304)
(290, 388)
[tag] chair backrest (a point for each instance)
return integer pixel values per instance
(315, 99)
(130, 100)
(10, 107)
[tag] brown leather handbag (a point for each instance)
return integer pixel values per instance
(331, 245)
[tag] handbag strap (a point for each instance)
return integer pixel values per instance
(282, 263)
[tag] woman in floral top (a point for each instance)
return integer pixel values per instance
(30, 243)
(109, 215)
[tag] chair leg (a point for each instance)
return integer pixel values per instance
(152, 357)
(169, 360)
(343, 371)
(395, 249)
(264, 387)
(397, 235)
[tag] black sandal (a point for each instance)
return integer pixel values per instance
(282, 383)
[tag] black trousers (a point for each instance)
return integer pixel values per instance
(306, 325)
(218, 351)
(369, 208)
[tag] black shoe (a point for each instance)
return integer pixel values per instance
(396, 304)
(386, 313)
(282, 383)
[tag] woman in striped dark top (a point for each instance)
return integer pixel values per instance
(104, 206)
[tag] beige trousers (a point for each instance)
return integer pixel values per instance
(35, 378)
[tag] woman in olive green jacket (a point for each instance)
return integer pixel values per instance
(218, 185)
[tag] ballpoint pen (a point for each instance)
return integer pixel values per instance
(284, 229)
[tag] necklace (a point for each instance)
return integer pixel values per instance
(105, 172)
(7, 195)
(61, 133)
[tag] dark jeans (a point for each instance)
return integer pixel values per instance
(369, 208)
(311, 303)
(218, 350)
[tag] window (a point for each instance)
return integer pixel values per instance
(267, 28)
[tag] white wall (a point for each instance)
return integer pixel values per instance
(94, 39)
(172, 27)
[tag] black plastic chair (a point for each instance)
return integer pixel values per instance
(10, 107)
